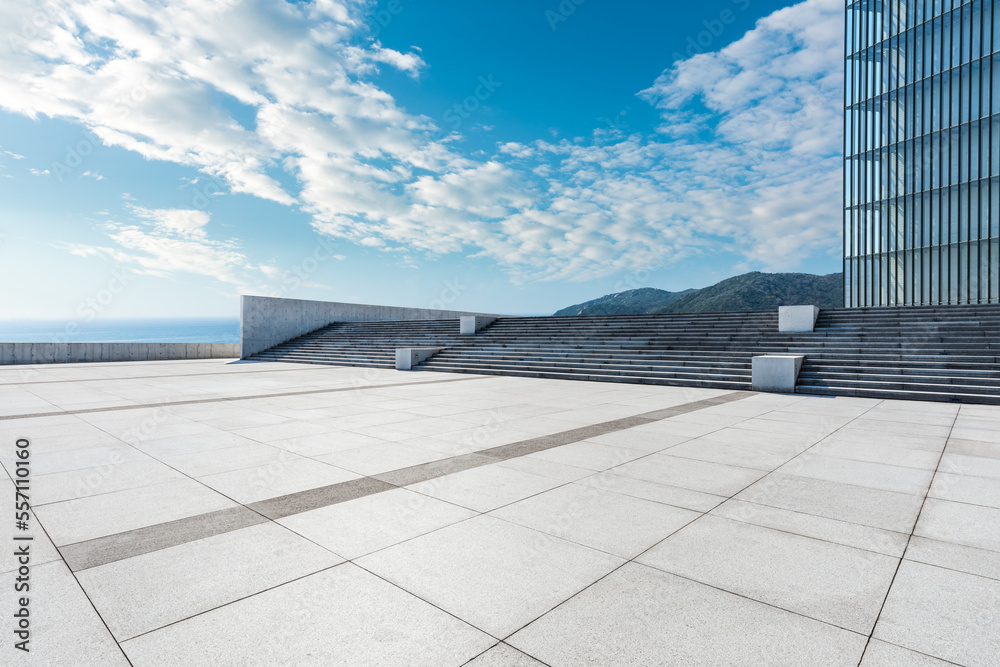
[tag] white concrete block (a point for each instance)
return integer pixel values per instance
(408, 357)
(797, 318)
(470, 324)
(776, 373)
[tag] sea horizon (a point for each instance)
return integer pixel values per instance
(122, 330)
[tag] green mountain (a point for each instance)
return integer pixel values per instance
(751, 291)
(626, 303)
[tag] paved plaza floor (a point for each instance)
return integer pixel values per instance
(220, 513)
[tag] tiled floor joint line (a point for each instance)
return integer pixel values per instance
(111, 548)
(196, 401)
(909, 539)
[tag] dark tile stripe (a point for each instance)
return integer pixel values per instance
(426, 471)
(144, 540)
(154, 377)
(195, 401)
(303, 501)
(102, 550)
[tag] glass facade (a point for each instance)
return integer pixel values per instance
(922, 153)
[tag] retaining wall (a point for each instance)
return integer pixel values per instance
(268, 321)
(71, 353)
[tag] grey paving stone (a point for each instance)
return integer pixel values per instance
(860, 473)
(733, 449)
(661, 493)
(642, 440)
(485, 488)
(954, 557)
(618, 524)
(714, 478)
(91, 517)
(111, 548)
(201, 464)
(829, 582)
(115, 475)
(558, 471)
(281, 477)
(303, 501)
(974, 466)
(376, 459)
(328, 618)
(809, 525)
(504, 655)
(946, 614)
(966, 489)
(140, 594)
(836, 500)
(592, 455)
(65, 629)
(881, 654)
(960, 523)
(990, 450)
(434, 469)
(42, 550)
(642, 616)
(358, 527)
(875, 453)
(47, 463)
(493, 574)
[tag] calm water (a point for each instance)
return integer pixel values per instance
(201, 330)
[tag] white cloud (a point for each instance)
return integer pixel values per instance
(755, 171)
(165, 242)
(92, 174)
(38, 172)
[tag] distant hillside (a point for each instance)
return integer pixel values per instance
(626, 303)
(751, 291)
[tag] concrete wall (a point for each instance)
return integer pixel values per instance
(268, 321)
(71, 353)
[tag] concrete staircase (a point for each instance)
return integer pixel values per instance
(702, 350)
(368, 344)
(949, 353)
(942, 353)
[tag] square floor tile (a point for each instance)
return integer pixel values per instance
(285, 475)
(358, 527)
(140, 594)
(837, 500)
(485, 488)
(343, 617)
(641, 616)
(829, 582)
(491, 573)
(375, 459)
(86, 518)
(590, 455)
(946, 614)
(618, 524)
(714, 478)
(661, 493)
(971, 525)
(860, 473)
(65, 629)
(504, 655)
(881, 654)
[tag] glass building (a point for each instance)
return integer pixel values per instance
(922, 153)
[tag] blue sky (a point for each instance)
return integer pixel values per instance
(159, 159)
